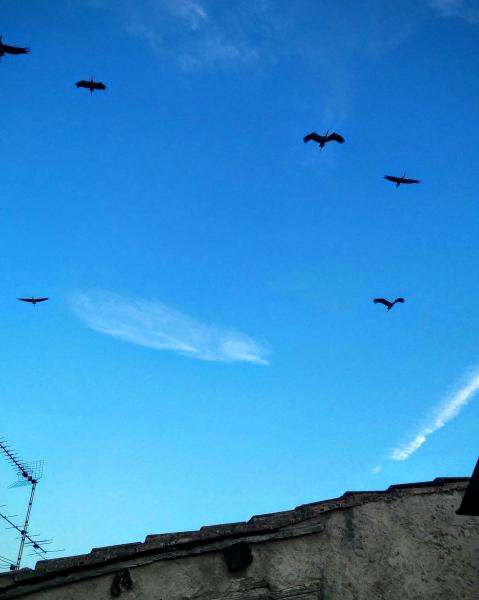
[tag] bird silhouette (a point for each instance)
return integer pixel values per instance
(90, 85)
(386, 303)
(6, 49)
(33, 300)
(322, 140)
(399, 180)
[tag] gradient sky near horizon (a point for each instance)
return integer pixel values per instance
(211, 350)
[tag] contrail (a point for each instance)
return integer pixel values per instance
(446, 411)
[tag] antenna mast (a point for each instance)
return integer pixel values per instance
(28, 474)
(25, 525)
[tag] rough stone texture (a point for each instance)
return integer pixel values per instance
(406, 542)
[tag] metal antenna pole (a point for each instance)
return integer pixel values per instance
(25, 525)
(28, 474)
(38, 546)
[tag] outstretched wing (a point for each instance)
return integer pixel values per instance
(335, 137)
(26, 299)
(313, 136)
(14, 49)
(40, 299)
(382, 301)
(400, 179)
(392, 178)
(399, 300)
(83, 83)
(98, 85)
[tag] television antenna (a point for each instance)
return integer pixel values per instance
(28, 473)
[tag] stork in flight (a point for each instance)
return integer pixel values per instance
(90, 85)
(6, 49)
(322, 140)
(33, 300)
(399, 180)
(386, 303)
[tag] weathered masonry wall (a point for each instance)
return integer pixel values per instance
(405, 543)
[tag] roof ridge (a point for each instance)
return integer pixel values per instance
(256, 526)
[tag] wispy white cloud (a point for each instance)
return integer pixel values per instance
(446, 6)
(215, 49)
(259, 34)
(196, 35)
(449, 409)
(463, 9)
(156, 325)
(377, 469)
(192, 12)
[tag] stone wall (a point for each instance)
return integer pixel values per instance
(407, 544)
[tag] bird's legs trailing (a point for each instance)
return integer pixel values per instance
(322, 144)
(392, 304)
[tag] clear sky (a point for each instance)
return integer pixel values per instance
(210, 349)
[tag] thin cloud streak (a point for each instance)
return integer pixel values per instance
(463, 9)
(447, 411)
(194, 35)
(155, 325)
(258, 34)
(189, 10)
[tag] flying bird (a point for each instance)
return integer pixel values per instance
(386, 303)
(322, 140)
(6, 49)
(399, 180)
(33, 300)
(90, 85)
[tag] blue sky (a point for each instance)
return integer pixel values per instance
(210, 350)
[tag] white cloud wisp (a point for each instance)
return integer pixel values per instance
(194, 34)
(446, 411)
(155, 325)
(463, 9)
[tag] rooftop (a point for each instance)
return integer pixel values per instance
(212, 538)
